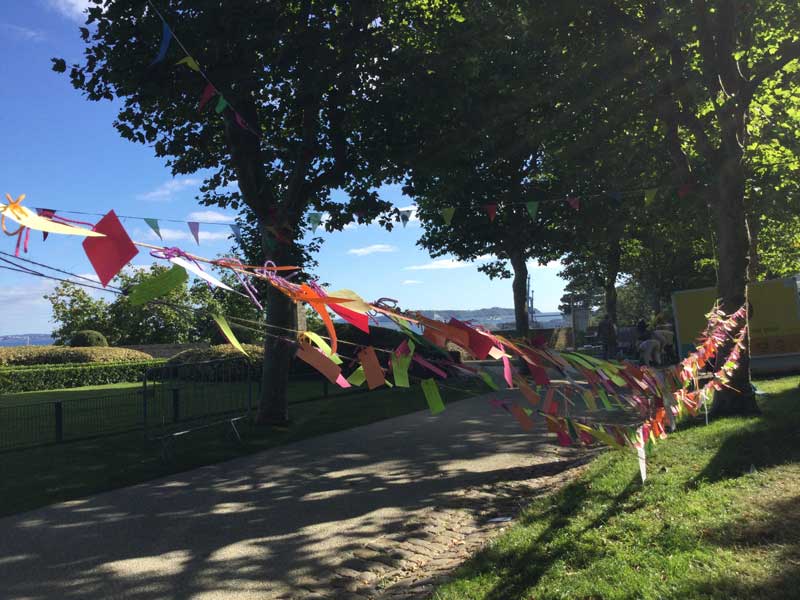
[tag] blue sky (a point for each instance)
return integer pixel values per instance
(63, 153)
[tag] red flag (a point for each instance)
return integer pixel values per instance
(574, 203)
(208, 93)
(491, 210)
(684, 190)
(110, 253)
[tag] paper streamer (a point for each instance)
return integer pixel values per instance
(228, 333)
(320, 362)
(400, 364)
(198, 272)
(432, 396)
(522, 417)
(158, 285)
(26, 218)
(371, 368)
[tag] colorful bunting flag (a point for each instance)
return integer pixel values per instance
(194, 229)
(650, 196)
(241, 122)
(371, 367)
(314, 219)
(491, 210)
(45, 213)
(158, 285)
(228, 333)
(189, 62)
(208, 92)
(320, 362)
(533, 208)
(153, 223)
(405, 216)
(110, 253)
(574, 203)
(222, 104)
(166, 38)
(237, 233)
(684, 190)
(447, 214)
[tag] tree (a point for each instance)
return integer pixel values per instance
(708, 64)
(305, 83)
(473, 143)
(75, 310)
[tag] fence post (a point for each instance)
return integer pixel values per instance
(144, 401)
(59, 415)
(176, 405)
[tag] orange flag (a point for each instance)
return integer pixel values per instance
(372, 368)
(319, 361)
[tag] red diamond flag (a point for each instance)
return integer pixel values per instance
(111, 253)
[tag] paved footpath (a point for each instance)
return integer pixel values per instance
(326, 517)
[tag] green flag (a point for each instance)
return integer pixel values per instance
(228, 333)
(650, 196)
(153, 223)
(447, 214)
(533, 208)
(432, 396)
(158, 285)
(222, 104)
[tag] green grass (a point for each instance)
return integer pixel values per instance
(719, 517)
(43, 475)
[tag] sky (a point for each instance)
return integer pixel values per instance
(62, 151)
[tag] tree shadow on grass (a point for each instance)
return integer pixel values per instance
(523, 569)
(759, 444)
(773, 542)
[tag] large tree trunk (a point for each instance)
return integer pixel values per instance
(273, 405)
(733, 242)
(520, 287)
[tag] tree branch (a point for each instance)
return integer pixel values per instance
(787, 52)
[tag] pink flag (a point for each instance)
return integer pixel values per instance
(194, 228)
(208, 93)
(574, 203)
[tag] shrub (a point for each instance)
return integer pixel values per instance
(56, 355)
(215, 363)
(47, 377)
(88, 338)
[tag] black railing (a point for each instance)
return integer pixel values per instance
(168, 396)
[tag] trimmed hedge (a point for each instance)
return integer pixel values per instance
(58, 355)
(47, 377)
(215, 363)
(88, 338)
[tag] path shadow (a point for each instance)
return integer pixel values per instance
(271, 523)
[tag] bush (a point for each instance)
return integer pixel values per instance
(88, 338)
(57, 355)
(46, 377)
(215, 363)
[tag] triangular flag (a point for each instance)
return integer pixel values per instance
(237, 233)
(166, 37)
(650, 196)
(240, 121)
(574, 203)
(47, 213)
(222, 104)
(208, 93)
(684, 190)
(189, 62)
(533, 208)
(405, 215)
(194, 228)
(447, 214)
(153, 223)
(314, 219)
(491, 210)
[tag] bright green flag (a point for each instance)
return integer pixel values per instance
(228, 333)
(432, 396)
(447, 214)
(158, 285)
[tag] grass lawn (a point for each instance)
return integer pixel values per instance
(43, 475)
(719, 517)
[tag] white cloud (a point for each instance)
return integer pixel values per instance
(168, 189)
(23, 33)
(411, 282)
(446, 263)
(179, 235)
(373, 249)
(74, 9)
(210, 216)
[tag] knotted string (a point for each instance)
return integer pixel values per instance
(14, 206)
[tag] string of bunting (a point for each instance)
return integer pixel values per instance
(655, 398)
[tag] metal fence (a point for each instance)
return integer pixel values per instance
(170, 396)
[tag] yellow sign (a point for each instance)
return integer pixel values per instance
(774, 316)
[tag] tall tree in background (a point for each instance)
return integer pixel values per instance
(475, 119)
(303, 81)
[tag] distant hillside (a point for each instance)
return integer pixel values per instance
(491, 318)
(26, 339)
